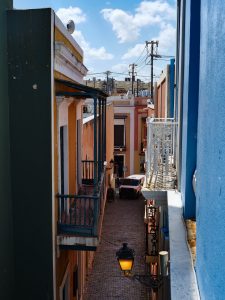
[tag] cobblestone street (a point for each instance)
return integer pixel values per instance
(123, 222)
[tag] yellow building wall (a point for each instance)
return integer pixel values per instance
(88, 141)
(59, 37)
(68, 257)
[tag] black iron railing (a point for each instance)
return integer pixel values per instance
(79, 214)
(88, 169)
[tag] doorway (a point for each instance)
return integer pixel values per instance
(119, 165)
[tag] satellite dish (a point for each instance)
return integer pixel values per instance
(70, 26)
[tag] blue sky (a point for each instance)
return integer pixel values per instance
(113, 33)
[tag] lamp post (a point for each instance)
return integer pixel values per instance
(125, 257)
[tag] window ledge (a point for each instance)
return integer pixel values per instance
(182, 275)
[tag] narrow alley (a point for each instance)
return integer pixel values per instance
(123, 222)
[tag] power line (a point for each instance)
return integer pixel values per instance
(140, 54)
(163, 55)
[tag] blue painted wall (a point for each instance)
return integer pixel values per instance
(171, 87)
(210, 266)
(190, 105)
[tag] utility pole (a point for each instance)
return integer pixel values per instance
(132, 75)
(138, 80)
(152, 53)
(94, 81)
(107, 81)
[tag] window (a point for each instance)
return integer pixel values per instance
(119, 133)
(119, 136)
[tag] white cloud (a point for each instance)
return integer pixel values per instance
(122, 24)
(167, 39)
(76, 14)
(127, 26)
(154, 12)
(90, 52)
(71, 13)
(134, 52)
(120, 68)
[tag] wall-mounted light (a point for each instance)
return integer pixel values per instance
(125, 257)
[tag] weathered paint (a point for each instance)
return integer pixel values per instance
(211, 153)
(6, 233)
(190, 105)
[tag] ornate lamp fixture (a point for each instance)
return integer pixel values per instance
(125, 257)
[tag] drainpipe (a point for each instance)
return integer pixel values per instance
(172, 71)
(103, 132)
(99, 137)
(95, 145)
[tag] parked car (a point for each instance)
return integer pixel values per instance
(130, 187)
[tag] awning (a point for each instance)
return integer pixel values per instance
(77, 90)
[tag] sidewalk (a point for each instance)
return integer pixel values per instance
(123, 222)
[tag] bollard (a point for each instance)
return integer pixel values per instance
(163, 259)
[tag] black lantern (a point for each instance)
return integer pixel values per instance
(125, 257)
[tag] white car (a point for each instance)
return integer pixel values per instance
(130, 187)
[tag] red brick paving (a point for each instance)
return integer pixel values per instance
(123, 222)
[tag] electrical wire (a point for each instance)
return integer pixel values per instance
(140, 55)
(163, 55)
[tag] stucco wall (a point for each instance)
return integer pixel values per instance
(88, 141)
(211, 153)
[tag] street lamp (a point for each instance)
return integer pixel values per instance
(125, 257)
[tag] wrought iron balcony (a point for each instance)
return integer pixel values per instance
(79, 215)
(160, 162)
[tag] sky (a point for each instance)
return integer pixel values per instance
(113, 33)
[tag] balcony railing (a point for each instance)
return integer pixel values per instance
(79, 215)
(160, 165)
(88, 170)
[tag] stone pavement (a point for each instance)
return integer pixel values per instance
(123, 222)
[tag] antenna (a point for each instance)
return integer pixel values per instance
(70, 26)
